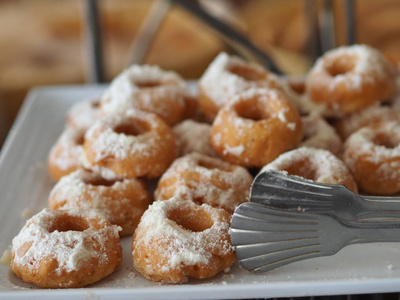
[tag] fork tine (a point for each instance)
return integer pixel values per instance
(282, 190)
(272, 179)
(254, 223)
(259, 249)
(263, 264)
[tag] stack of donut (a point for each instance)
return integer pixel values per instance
(339, 124)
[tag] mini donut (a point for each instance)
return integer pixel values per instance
(373, 156)
(371, 116)
(65, 155)
(66, 249)
(314, 164)
(349, 78)
(318, 133)
(227, 76)
(177, 239)
(122, 201)
(192, 136)
(83, 114)
(205, 179)
(151, 89)
(256, 127)
(129, 145)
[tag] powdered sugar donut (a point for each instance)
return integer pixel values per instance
(177, 239)
(349, 78)
(121, 201)
(192, 136)
(83, 114)
(65, 155)
(129, 145)
(315, 164)
(318, 133)
(151, 89)
(204, 179)
(65, 249)
(373, 156)
(254, 128)
(371, 116)
(227, 76)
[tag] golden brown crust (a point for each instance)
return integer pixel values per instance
(204, 179)
(314, 164)
(256, 127)
(177, 239)
(130, 145)
(121, 201)
(66, 249)
(373, 156)
(65, 155)
(227, 76)
(348, 79)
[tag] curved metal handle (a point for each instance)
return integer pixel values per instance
(233, 37)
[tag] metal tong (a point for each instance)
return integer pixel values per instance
(290, 219)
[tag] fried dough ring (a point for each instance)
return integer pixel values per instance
(122, 201)
(177, 239)
(227, 76)
(318, 165)
(66, 249)
(129, 145)
(256, 127)
(205, 179)
(349, 78)
(151, 89)
(373, 156)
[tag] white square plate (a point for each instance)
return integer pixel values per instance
(25, 185)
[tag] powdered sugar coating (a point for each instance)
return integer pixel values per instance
(349, 78)
(179, 248)
(166, 91)
(192, 136)
(368, 64)
(255, 127)
(219, 84)
(319, 134)
(65, 155)
(39, 239)
(373, 156)
(319, 164)
(122, 202)
(205, 179)
(371, 116)
(144, 147)
(83, 114)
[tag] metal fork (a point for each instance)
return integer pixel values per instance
(280, 190)
(266, 238)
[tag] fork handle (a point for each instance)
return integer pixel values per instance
(372, 231)
(379, 206)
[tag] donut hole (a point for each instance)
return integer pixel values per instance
(134, 128)
(194, 220)
(80, 139)
(246, 72)
(301, 168)
(147, 84)
(297, 87)
(95, 104)
(341, 65)
(212, 165)
(251, 110)
(64, 223)
(385, 140)
(99, 182)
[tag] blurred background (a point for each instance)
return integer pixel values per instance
(45, 42)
